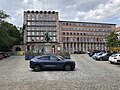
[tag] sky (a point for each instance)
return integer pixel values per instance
(100, 11)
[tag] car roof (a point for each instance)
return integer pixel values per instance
(45, 55)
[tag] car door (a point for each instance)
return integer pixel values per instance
(56, 63)
(106, 57)
(44, 61)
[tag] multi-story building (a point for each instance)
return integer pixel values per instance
(36, 24)
(65, 35)
(84, 35)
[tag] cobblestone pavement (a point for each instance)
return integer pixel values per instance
(89, 74)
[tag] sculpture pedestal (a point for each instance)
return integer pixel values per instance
(48, 48)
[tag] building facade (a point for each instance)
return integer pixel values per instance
(118, 32)
(36, 24)
(66, 36)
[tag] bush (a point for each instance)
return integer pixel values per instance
(66, 55)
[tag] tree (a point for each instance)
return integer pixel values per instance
(3, 15)
(47, 37)
(112, 40)
(12, 31)
(5, 40)
(9, 34)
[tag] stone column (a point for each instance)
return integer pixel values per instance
(73, 47)
(83, 46)
(69, 47)
(86, 46)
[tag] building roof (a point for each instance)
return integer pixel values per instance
(87, 22)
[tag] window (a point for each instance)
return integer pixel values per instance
(67, 33)
(37, 23)
(41, 38)
(54, 33)
(50, 33)
(28, 28)
(85, 29)
(41, 28)
(41, 18)
(37, 38)
(32, 17)
(37, 28)
(81, 24)
(33, 33)
(33, 29)
(28, 33)
(37, 33)
(53, 58)
(29, 39)
(41, 33)
(80, 28)
(49, 17)
(41, 23)
(28, 17)
(44, 58)
(90, 29)
(33, 23)
(90, 24)
(28, 23)
(54, 39)
(45, 18)
(36, 17)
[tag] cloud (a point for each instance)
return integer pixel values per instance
(78, 10)
(102, 12)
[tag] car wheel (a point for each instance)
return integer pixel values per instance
(101, 59)
(37, 68)
(67, 67)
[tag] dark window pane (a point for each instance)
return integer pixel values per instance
(44, 58)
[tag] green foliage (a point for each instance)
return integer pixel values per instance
(5, 40)
(66, 55)
(3, 15)
(47, 37)
(9, 34)
(112, 40)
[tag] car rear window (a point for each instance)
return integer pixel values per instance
(114, 55)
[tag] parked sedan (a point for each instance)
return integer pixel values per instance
(51, 62)
(97, 54)
(104, 56)
(115, 58)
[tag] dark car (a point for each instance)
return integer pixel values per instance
(51, 62)
(79, 52)
(93, 52)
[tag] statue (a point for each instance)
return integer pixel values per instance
(47, 37)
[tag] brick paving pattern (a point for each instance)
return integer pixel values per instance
(89, 74)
